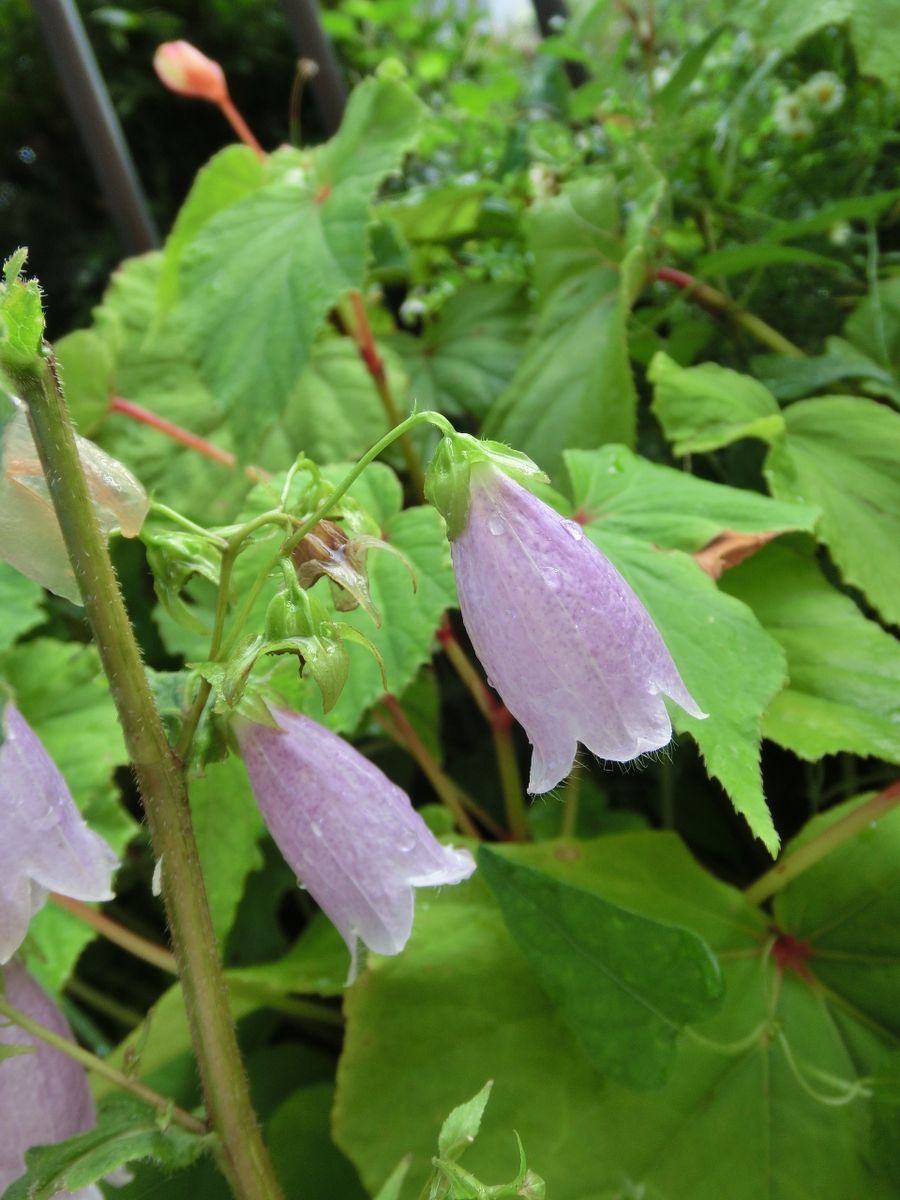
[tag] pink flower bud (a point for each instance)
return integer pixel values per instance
(183, 69)
(45, 843)
(352, 837)
(44, 1095)
(573, 653)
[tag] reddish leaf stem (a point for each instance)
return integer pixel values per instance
(241, 128)
(719, 305)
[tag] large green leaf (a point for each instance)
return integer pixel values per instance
(845, 910)
(702, 408)
(874, 325)
(670, 508)
(625, 984)
(574, 387)
(21, 601)
(782, 24)
(734, 1119)
(466, 357)
(126, 1132)
(841, 453)
(844, 671)
(309, 1165)
(86, 367)
(228, 826)
(286, 253)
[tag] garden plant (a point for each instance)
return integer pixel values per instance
(449, 684)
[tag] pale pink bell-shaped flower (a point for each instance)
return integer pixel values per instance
(44, 1095)
(565, 641)
(353, 838)
(186, 70)
(45, 844)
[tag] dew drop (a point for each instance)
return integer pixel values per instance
(553, 579)
(573, 529)
(316, 829)
(495, 525)
(407, 842)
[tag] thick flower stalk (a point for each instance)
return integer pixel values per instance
(44, 1094)
(352, 837)
(565, 641)
(45, 844)
(30, 536)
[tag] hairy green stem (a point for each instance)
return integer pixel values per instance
(162, 789)
(99, 1066)
(813, 851)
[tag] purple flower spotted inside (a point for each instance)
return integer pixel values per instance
(44, 1094)
(45, 845)
(567, 644)
(351, 836)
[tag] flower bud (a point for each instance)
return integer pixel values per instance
(44, 1094)
(45, 843)
(185, 70)
(351, 835)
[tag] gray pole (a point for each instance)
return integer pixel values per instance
(97, 123)
(309, 37)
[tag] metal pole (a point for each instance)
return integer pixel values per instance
(97, 123)
(309, 37)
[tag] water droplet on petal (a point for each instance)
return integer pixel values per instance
(407, 842)
(574, 530)
(495, 525)
(553, 579)
(315, 828)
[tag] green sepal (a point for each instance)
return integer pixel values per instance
(447, 481)
(174, 558)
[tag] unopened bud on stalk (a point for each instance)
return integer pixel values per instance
(187, 71)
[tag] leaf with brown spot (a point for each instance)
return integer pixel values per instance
(730, 548)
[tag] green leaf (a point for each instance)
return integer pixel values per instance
(86, 367)
(574, 387)
(461, 1127)
(703, 408)
(874, 325)
(467, 356)
(668, 100)
(392, 1187)
(733, 260)
(841, 453)
(309, 1165)
(782, 24)
(228, 826)
(670, 508)
(289, 251)
(846, 910)
(440, 214)
(126, 1132)
(316, 964)
(21, 315)
(843, 669)
(790, 378)
(734, 1119)
(229, 176)
(334, 412)
(624, 985)
(21, 601)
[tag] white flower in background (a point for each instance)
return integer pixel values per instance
(791, 116)
(840, 233)
(825, 90)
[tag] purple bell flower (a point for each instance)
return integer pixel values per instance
(45, 844)
(44, 1095)
(352, 837)
(565, 641)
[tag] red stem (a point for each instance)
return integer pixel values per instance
(240, 127)
(146, 416)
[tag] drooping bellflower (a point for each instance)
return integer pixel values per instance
(571, 650)
(350, 834)
(45, 844)
(44, 1094)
